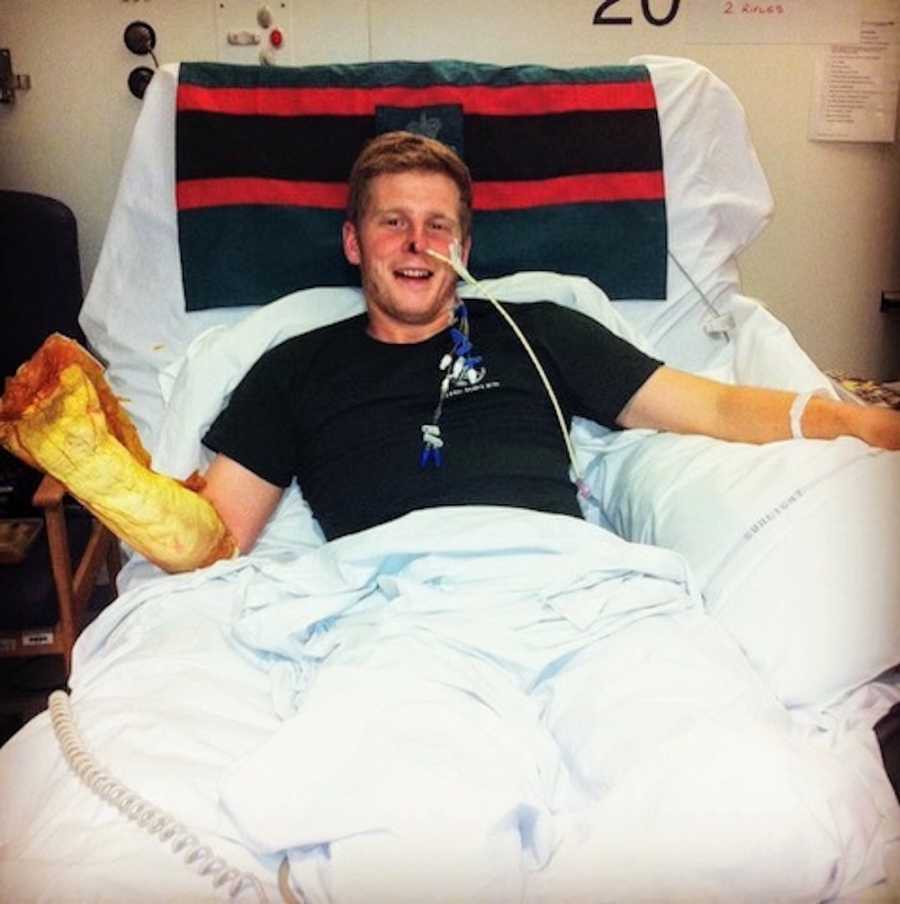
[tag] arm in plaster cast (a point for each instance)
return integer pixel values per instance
(59, 415)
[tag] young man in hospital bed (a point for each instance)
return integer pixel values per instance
(420, 402)
(385, 413)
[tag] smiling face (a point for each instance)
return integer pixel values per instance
(409, 295)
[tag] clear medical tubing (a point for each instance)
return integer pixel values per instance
(455, 262)
(145, 815)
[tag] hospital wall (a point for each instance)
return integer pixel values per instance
(832, 247)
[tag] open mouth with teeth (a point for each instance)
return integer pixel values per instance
(414, 274)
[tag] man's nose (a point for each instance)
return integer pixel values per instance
(416, 240)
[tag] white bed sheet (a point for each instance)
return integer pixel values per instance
(694, 762)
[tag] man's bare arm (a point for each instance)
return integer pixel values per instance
(684, 403)
(243, 500)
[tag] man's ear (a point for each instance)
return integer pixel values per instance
(351, 243)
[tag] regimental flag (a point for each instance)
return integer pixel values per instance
(566, 164)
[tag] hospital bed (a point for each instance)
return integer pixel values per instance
(736, 655)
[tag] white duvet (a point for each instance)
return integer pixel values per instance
(465, 704)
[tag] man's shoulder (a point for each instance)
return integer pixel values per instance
(537, 313)
(538, 307)
(308, 343)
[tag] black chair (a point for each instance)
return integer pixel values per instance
(45, 595)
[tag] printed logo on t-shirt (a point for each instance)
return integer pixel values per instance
(465, 372)
(478, 387)
(471, 381)
(471, 376)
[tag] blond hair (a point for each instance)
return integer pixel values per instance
(400, 152)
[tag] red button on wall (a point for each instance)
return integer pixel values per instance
(276, 38)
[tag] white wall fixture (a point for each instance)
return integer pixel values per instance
(255, 32)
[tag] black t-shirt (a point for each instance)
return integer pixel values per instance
(343, 413)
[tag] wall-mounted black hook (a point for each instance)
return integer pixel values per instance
(138, 79)
(140, 38)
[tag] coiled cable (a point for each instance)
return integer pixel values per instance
(146, 816)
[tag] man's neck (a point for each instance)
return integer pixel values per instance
(395, 332)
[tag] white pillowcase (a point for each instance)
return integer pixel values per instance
(717, 197)
(731, 337)
(795, 545)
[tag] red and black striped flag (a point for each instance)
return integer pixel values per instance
(566, 164)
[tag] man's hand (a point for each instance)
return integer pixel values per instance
(879, 426)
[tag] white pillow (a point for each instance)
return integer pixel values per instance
(795, 545)
(717, 197)
(717, 202)
(733, 338)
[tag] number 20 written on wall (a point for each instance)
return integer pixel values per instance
(605, 15)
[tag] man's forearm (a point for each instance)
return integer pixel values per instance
(243, 500)
(684, 403)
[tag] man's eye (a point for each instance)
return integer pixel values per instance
(440, 226)
(393, 222)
